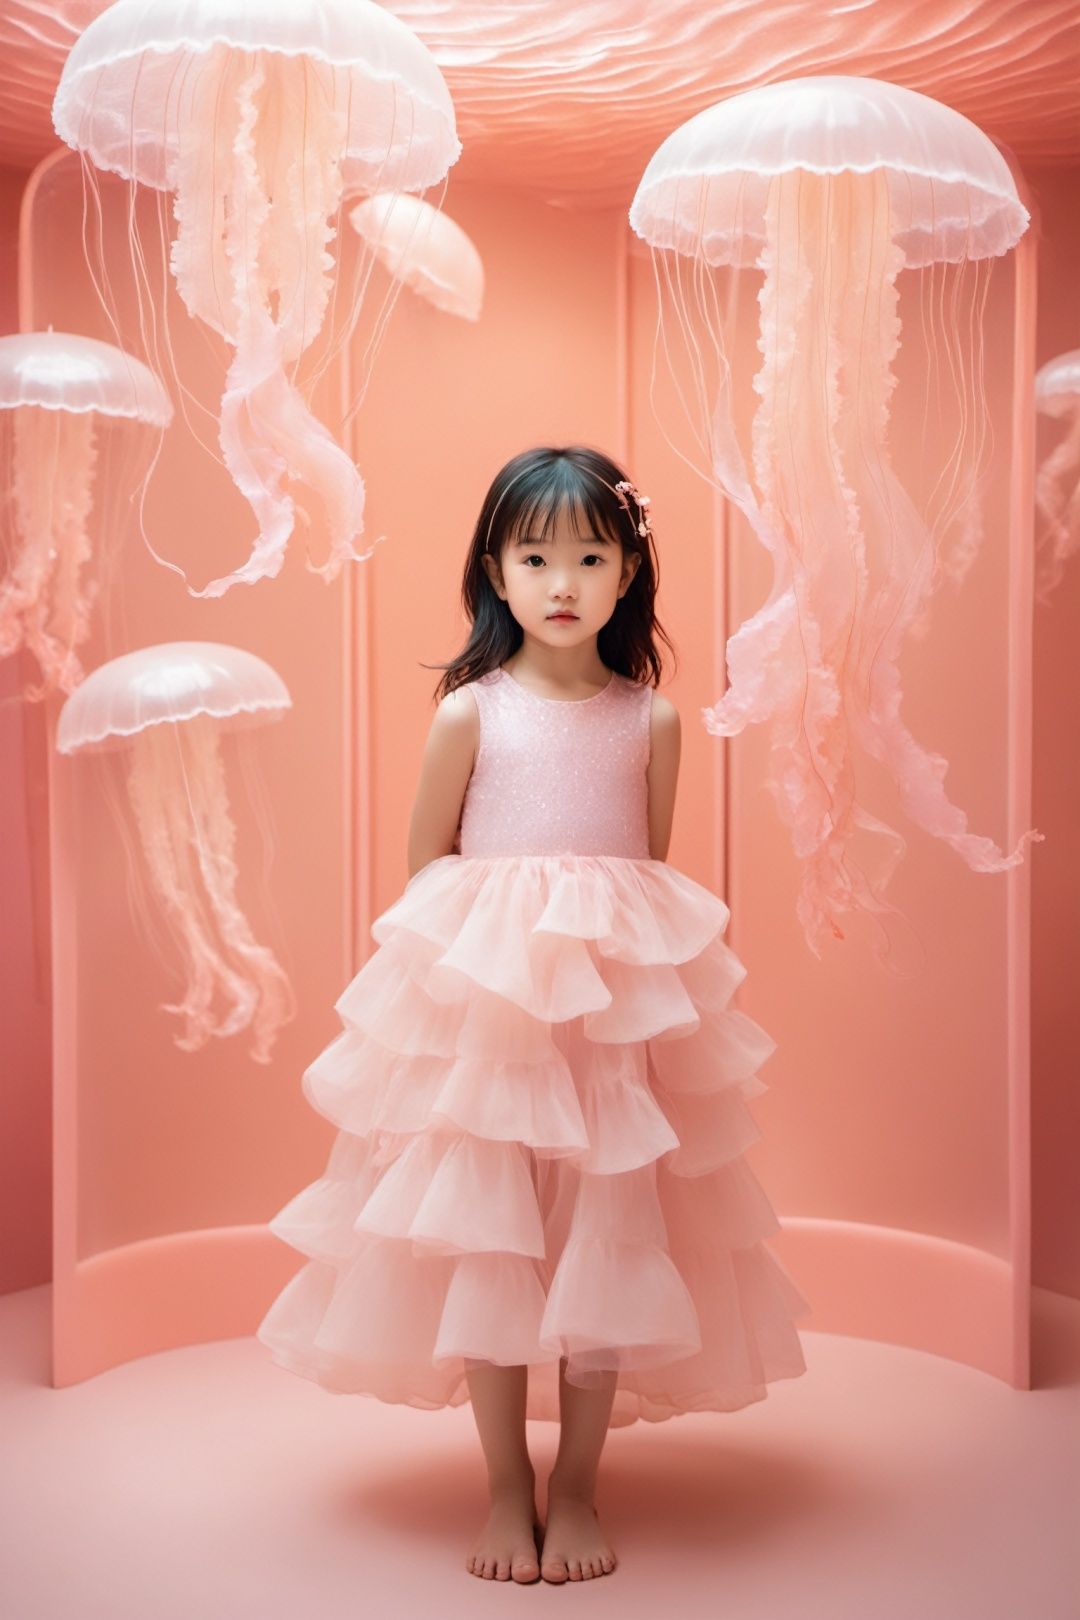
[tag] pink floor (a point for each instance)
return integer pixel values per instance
(207, 1484)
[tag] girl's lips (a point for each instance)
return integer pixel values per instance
(562, 615)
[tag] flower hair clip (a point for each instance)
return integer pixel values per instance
(644, 523)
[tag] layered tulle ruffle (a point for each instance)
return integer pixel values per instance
(541, 1096)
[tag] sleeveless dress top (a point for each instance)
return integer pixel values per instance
(559, 776)
(541, 1090)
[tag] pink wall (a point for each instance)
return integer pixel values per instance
(25, 1100)
(888, 1104)
(1055, 1006)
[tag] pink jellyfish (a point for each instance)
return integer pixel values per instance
(424, 249)
(74, 413)
(166, 706)
(1057, 481)
(827, 187)
(259, 116)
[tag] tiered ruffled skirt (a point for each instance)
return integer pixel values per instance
(541, 1099)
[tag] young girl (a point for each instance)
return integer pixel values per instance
(536, 1199)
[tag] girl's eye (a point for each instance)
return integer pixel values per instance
(591, 556)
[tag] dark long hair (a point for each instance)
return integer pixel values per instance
(533, 488)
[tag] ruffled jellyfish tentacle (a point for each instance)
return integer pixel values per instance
(43, 604)
(819, 659)
(201, 201)
(215, 845)
(265, 233)
(761, 663)
(909, 566)
(28, 570)
(778, 666)
(1057, 497)
(797, 470)
(159, 796)
(268, 434)
(906, 569)
(74, 595)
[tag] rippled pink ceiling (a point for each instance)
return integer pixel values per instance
(571, 100)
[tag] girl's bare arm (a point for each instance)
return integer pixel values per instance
(665, 734)
(445, 769)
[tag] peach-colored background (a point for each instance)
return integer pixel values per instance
(889, 1147)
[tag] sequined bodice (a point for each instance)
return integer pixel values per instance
(558, 775)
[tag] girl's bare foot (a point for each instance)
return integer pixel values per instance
(574, 1547)
(507, 1548)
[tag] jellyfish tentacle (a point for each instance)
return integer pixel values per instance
(33, 497)
(158, 794)
(778, 662)
(760, 657)
(1057, 497)
(266, 237)
(43, 604)
(819, 658)
(215, 846)
(908, 568)
(73, 593)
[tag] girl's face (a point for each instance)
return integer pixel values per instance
(573, 572)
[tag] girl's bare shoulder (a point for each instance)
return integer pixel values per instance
(664, 714)
(455, 725)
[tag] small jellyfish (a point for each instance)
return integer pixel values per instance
(826, 188)
(1057, 480)
(75, 414)
(259, 115)
(166, 706)
(424, 249)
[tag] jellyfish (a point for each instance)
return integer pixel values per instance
(258, 115)
(1057, 480)
(166, 707)
(827, 187)
(66, 402)
(424, 249)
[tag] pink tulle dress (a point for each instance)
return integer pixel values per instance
(541, 1096)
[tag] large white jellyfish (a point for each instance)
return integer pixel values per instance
(78, 422)
(828, 187)
(259, 115)
(1057, 480)
(165, 707)
(425, 249)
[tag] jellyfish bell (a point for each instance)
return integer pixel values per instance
(423, 248)
(826, 187)
(166, 707)
(78, 423)
(259, 117)
(1057, 477)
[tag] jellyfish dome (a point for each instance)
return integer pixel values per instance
(711, 187)
(1057, 478)
(821, 190)
(258, 115)
(423, 248)
(67, 404)
(167, 706)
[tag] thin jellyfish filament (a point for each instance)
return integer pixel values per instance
(177, 789)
